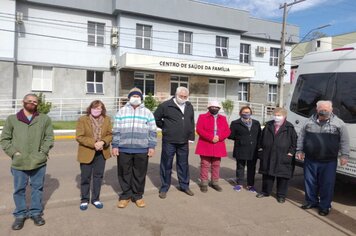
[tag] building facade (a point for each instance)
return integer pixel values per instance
(102, 48)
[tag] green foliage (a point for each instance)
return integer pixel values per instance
(43, 106)
(150, 102)
(228, 106)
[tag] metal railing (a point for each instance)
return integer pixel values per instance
(72, 108)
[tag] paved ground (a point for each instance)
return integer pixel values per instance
(212, 213)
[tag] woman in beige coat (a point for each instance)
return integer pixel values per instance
(94, 135)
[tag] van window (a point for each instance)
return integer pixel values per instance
(340, 88)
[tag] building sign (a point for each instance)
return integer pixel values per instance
(173, 65)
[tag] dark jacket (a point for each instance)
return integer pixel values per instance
(274, 159)
(176, 126)
(245, 140)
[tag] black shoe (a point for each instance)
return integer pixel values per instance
(162, 195)
(216, 187)
(38, 220)
(281, 199)
(203, 188)
(18, 223)
(187, 191)
(324, 212)
(307, 206)
(261, 195)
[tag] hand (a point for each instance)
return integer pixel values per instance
(290, 154)
(151, 152)
(343, 161)
(216, 139)
(99, 145)
(115, 152)
(300, 156)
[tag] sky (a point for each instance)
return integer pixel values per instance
(308, 15)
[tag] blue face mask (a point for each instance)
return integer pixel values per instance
(324, 113)
(246, 116)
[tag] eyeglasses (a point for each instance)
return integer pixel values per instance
(32, 101)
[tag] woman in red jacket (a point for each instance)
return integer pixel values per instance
(212, 129)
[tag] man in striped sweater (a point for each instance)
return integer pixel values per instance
(134, 140)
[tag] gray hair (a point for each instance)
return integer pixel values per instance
(321, 102)
(30, 95)
(182, 89)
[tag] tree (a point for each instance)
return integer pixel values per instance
(43, 106)
(150, 102)
(228, 106)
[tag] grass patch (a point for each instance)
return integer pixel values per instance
(2, 122)
(64, 124)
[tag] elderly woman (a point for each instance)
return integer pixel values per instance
(94, 135)
(212, 129)
(278, 147)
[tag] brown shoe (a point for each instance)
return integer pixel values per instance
(123, 203)
(140, 203)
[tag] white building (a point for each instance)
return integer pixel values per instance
(103, 48)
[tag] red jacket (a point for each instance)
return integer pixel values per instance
(205, 130)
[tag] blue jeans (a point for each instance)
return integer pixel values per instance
(168, 152)
(319, 181)
(36, 179)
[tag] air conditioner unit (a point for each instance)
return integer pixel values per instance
(114, 42)
(113, 62)
(114, 31)
(19, 17)
(261, 50)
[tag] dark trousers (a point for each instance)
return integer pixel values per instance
(267, 185)
(167, 156)
(319, 181)
(132, 170)
(96, 169)
(251, 171)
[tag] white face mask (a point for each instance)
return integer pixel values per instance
(135, 101)
(278, 119)
(181, 101)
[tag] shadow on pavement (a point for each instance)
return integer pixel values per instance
(50, 186)
(110, 178)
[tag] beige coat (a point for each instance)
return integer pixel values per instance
(85, 138)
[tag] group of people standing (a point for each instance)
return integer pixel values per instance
(28, 136)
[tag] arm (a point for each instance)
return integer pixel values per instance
(152, 131)
(48, 140)
(202, 132)
(344, 142)
(81, 137)
(225, 131)
(293, 147)
(116, 130)
(6, 138)
(232, 132)
(192, 134)
(158, 114)
(108, 135)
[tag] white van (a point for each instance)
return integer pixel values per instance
(327, 75)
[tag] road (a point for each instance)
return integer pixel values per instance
(212, 213)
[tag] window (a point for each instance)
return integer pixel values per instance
(95, 82)
(96, 34)
(243, 92)
(221, 46)
(178, 81)
(185, 42)
(273, 60)
(145, 82)
(143, 36)
(216, 88)
(272, 93)
(318, 43)
(42, 78)
(244, 53)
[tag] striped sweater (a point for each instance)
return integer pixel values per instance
(134, 129)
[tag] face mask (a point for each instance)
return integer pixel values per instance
(213, 111)
(95, 112)
(278, 119)
(246, 116)
(30, 107)
(180, 101)
(324, 113)
(135, 101)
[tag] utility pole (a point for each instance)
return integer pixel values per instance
(281, 71)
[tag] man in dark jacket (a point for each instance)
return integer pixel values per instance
(322, 139)
(176, 119)
(278, 143)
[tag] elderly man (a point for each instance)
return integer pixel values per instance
(322, 139)
(27, 138)
(176, 119)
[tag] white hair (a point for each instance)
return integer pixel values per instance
(326, 102)
(182, 89)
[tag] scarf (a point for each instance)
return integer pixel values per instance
(96, 125)
(23, 118)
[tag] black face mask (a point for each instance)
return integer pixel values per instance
(214, 111)
(324, 113)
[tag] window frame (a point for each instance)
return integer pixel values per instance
(95, 34)
(244, 91)
(216, 83)
(272, 94)
(219, 48)
(95, 82)
(172, 93)
(274, 56)
(145, 75)
(143, 37)
(42, 79)
(243, 53)
(185, 42)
